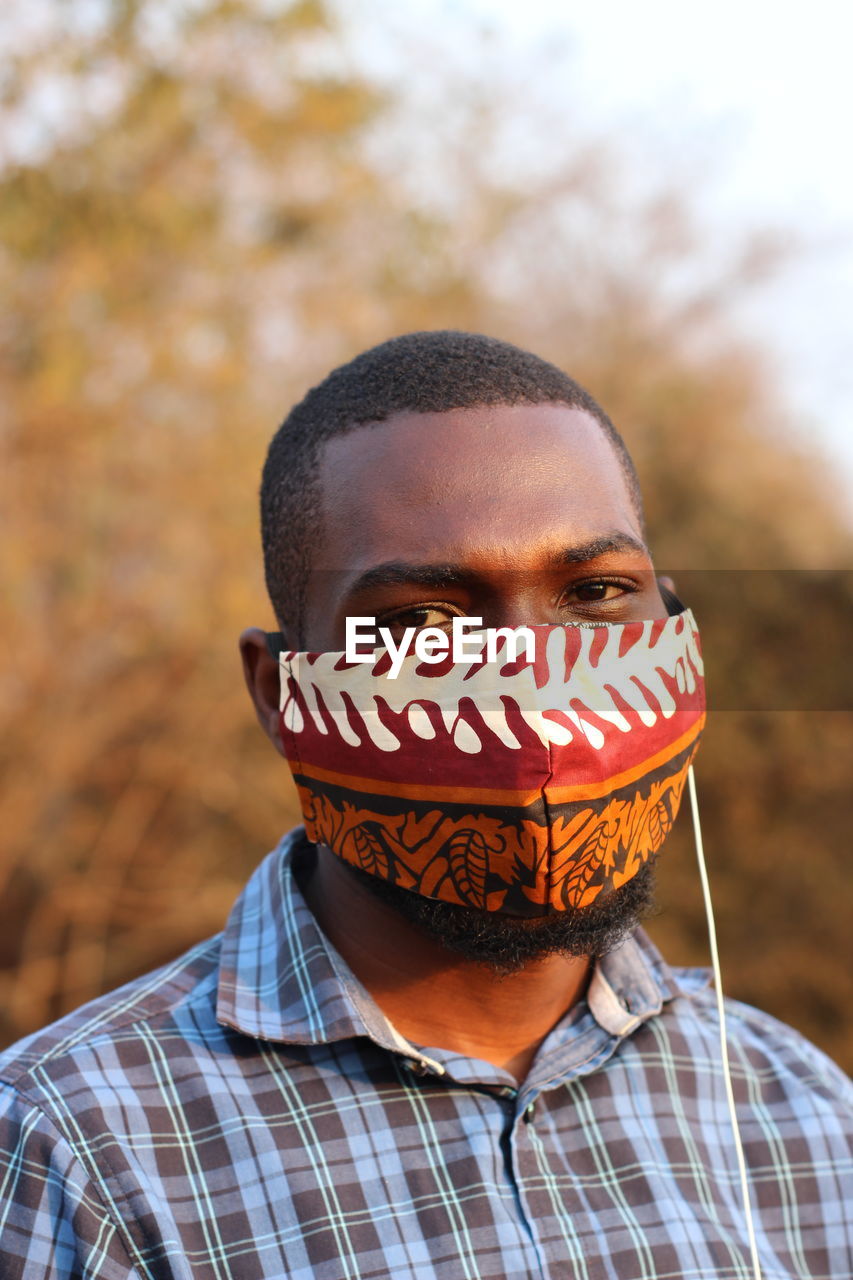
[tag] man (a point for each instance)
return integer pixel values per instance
(379, 1070)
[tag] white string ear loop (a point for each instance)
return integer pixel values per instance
(724, 1047)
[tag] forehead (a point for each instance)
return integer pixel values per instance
(501, 482)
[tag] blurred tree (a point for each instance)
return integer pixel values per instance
(203, 207)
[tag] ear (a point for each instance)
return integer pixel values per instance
(260, 670)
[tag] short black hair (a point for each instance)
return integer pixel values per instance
(429, 372)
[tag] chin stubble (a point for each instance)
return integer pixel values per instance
(504, 944)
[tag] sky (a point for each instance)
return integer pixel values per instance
(765, 91)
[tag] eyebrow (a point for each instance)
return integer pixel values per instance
(397, 573)
(600, 546)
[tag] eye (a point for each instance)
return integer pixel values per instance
(594, 591)
(419, 617)
(598, 591)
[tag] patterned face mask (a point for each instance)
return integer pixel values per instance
(524, 785)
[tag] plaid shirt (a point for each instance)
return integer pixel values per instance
(249, 1112)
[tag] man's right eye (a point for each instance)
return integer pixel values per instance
(427, 615)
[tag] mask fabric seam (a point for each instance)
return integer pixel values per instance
(550, 859)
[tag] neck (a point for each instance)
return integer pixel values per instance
(433, 997)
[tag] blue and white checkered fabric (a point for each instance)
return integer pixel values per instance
(248, 1112)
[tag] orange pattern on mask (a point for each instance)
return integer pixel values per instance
(478, 860)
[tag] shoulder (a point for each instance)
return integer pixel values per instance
(771, 1045)
(772, 1064)
(683, 1035)
(63, 1094)
(173, 996)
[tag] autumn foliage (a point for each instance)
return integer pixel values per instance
(220, 211)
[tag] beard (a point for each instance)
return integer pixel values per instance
(506, 944)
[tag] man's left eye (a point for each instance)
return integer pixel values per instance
(596, 592)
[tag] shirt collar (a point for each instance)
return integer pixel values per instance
(280, 977)
(282, 980)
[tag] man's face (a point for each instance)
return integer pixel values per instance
(514, 514)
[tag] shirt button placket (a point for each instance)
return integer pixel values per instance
(533, 1172)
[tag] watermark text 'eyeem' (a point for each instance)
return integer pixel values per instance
(433, 644)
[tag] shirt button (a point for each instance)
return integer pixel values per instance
(417, 1068)
(529, 1112)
